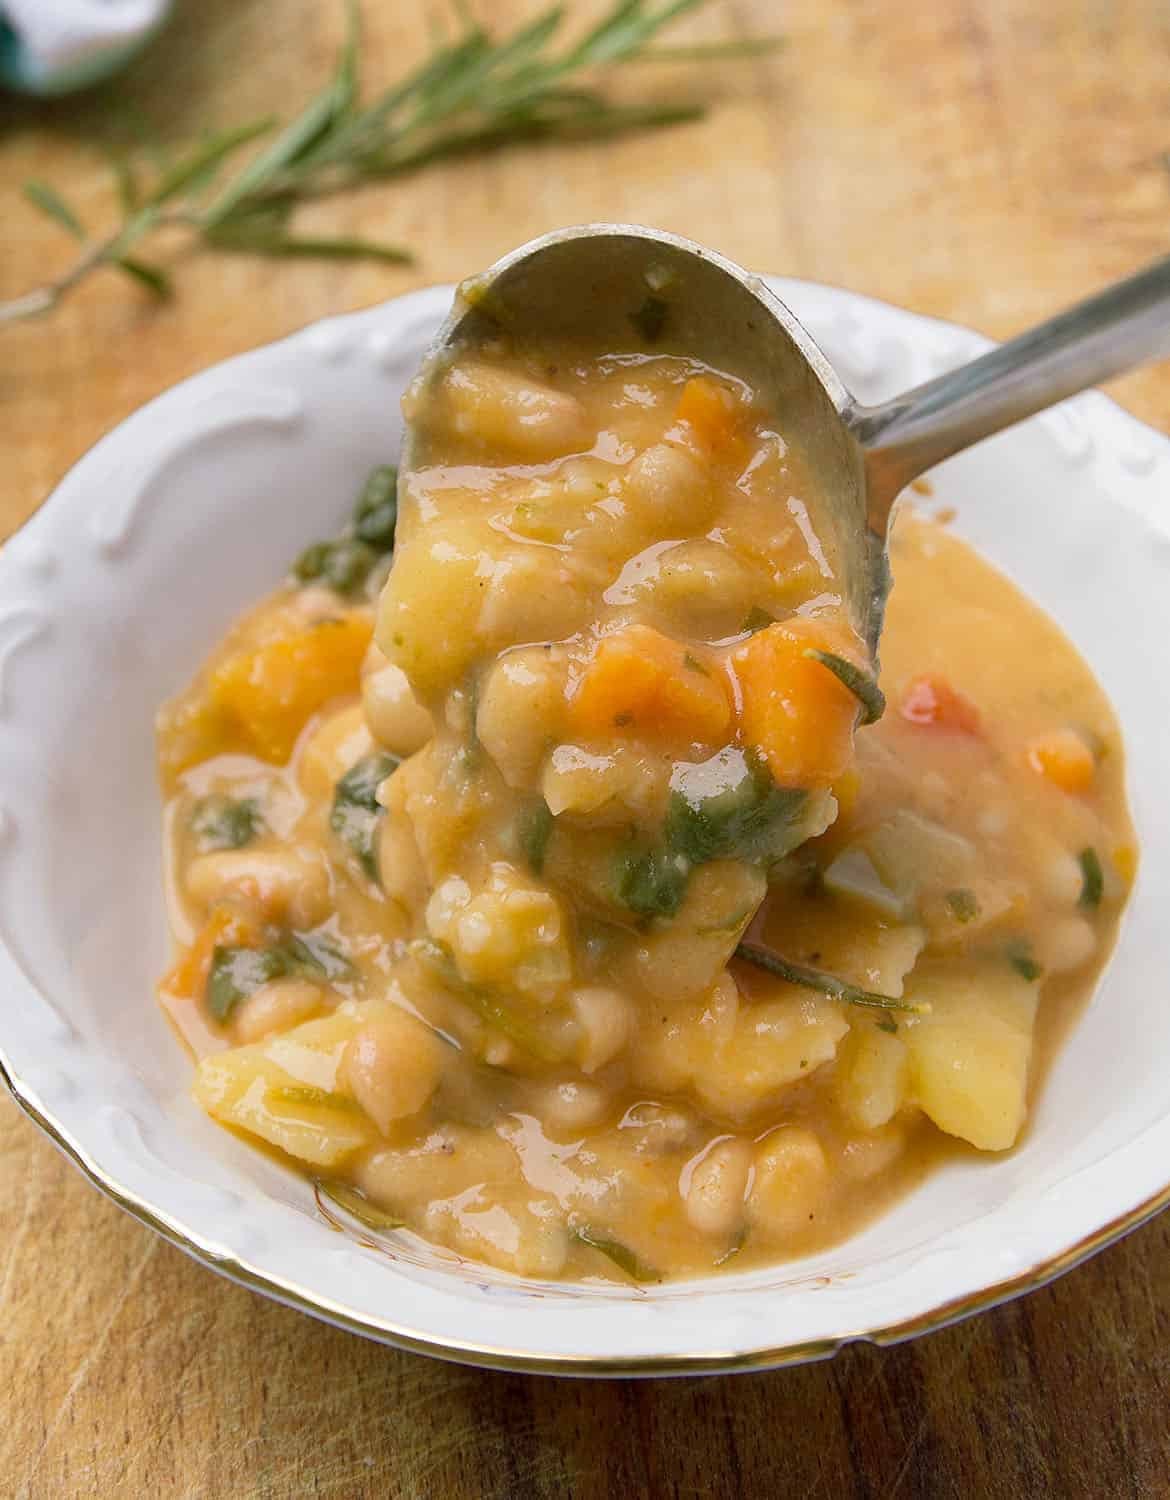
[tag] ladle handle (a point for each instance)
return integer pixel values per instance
(1121, 327)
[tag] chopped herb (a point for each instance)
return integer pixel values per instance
(533, 829)
(861, 684)
(238, 972)
(357, 1204)
(376, 512)
(729, 807)
(693, 664)
(622, 719)
(886, 1024)
(815, 979)
(757, 619)
(1092, 878)
(302, 1096)
(343, 565)
(653, 882)
(650, 319)
(1019, 955)
(487, 1005)
(221, 823)
(356, 811)
(964, 907)
(622, 1256)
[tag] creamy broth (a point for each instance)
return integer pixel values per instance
(458, 865)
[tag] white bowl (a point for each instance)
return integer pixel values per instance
(114, 591)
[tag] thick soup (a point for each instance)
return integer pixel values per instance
(555, 896)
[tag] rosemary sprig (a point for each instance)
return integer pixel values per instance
(475, 93)
(863, 687)
(817, 979)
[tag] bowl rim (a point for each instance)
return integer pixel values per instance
(238, 1267)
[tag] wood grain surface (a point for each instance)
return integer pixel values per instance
(983, 160)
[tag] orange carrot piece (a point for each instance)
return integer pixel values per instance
(930, 700)
(711, 412)
(1063, 758)
(272, 692)
(223, 928)
(795, 711)
(642, 682)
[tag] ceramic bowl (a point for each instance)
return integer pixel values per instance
(114, 591)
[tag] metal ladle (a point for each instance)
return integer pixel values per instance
(622, 283)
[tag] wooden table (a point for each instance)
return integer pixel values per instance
(984, 160)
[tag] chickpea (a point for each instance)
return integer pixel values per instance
(521, 704)
(669, 487)
(395, 716)
(289, 884)
(276, 1006)
(606, 1020)
(714, 1195)
(790, 1181)
(392, 1067)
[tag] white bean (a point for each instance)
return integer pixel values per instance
(606, 1019)
(276, 1006)
(521, 705)
(668, 485)
(790, 1179)
(391, 1067)
(714, 1195)
(287, 884)
(395, 716)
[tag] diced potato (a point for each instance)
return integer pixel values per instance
(286, 1090)
(439, 580)
(733, 1068)
(508, 933)
(969, 1057)
(873, 1074)
(501, 408)
(271, 692)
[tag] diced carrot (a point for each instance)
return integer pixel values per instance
(931, 700)
(1062, 757)
(794, 710)
(712, 415)
(190, 730)
(271, 692)
(642, 682)
(846, 789)
(1125, 862)
(224, 927)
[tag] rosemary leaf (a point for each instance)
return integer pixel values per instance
(156, 281)
(212, 153)
(50, 202)
(259, 243)
(366, 1212)
(125, 180)
(863, 687)
(816, 979)
(622, 1256)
